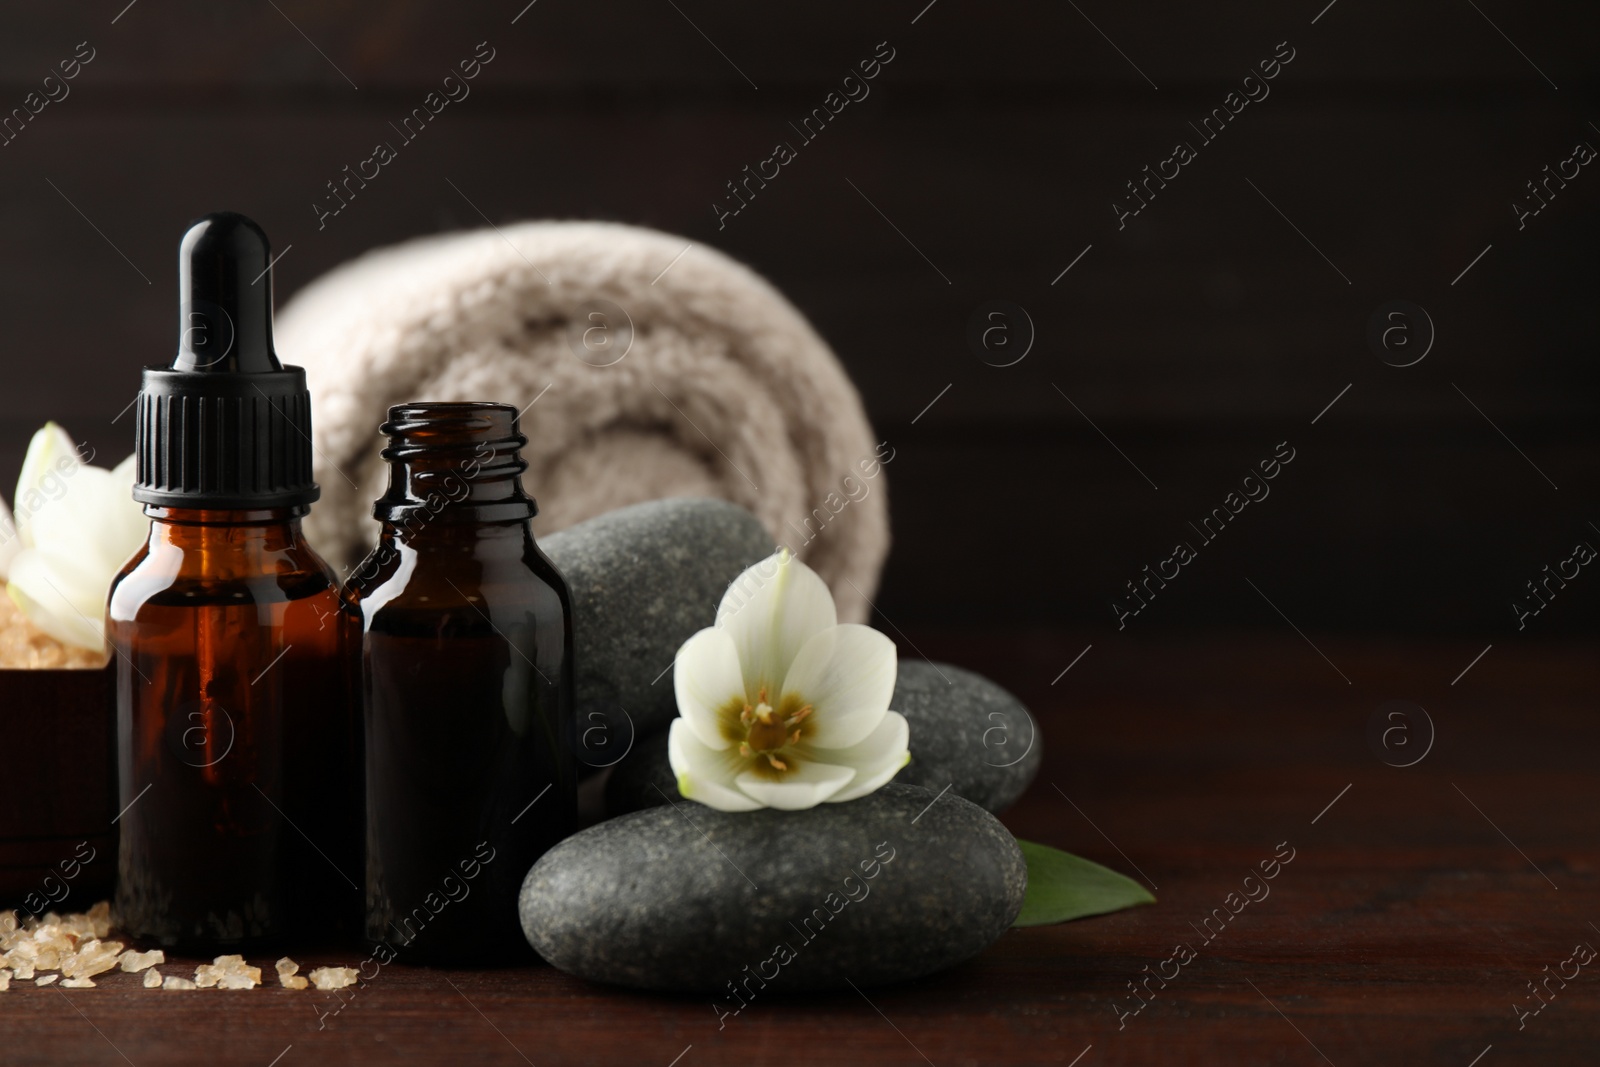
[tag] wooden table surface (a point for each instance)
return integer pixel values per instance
(1419, 903)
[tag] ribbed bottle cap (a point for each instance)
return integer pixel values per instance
(226, 426)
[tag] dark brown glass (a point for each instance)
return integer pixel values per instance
(238, 738)
(467, 679)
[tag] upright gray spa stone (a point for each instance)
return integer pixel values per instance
(643, 580)
(643, 779)
(898, 884)
(966, 733)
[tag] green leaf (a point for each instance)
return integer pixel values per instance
(1062, 887)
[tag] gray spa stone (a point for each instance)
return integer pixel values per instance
(896, 885)
(643, 580)
(643, 779)
(966, 732)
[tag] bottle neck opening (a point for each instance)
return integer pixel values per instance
(454, 462)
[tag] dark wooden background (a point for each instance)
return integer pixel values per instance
(1196, 339)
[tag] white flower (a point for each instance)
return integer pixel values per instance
(780, 706)
(74, 528)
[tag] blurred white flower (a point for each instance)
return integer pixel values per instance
(780, 706)
(74, 527)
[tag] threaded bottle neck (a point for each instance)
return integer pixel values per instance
(454, 462)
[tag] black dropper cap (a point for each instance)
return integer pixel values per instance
(226, 426)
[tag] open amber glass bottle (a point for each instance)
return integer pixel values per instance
(467, 678)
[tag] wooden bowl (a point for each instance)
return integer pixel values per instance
(58, 788)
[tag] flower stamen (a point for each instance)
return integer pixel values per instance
(745, 726)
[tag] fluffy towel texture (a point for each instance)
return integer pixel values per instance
(725, 392)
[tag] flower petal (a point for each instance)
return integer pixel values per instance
(706, 774)
(65, 602)
(127, 527)
(51, 455)
(771, 610)
(847, 676)
(806, 785)
(706, 676)
(876, 759)
(72, 524)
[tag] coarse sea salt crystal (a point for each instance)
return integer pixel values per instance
(287, 974)
(48, 946)
(99, 917)
(227, 972)
(5, 981)
(45, 979)
(22, 970)
(134, 962)
(152, 979)
(333, 977)
(78, 983)
(92, 958)
(172, 981)
(77, 926)
(246, 979)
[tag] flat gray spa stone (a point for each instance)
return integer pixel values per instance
(747, 905)
(966, 732)
(643, 580)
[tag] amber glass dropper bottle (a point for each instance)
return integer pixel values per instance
(238, 743)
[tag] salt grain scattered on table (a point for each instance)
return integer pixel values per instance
(288, 974)
(93, 957)
(227, 972)
(248, 979)
(134, 962)
(333, 977)
(74, 946)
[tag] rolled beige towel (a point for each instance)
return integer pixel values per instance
(724, 390)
